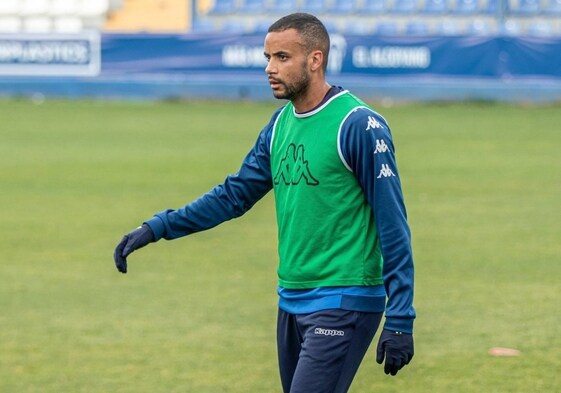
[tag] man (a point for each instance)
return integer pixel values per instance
(344, 242)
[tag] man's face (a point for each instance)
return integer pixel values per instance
(287, 64)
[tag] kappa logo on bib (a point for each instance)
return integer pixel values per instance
(293, 168)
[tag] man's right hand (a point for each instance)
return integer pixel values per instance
(130, 242)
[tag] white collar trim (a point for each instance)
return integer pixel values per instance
(311, 113)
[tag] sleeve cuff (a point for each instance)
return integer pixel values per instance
(404, 325)
(157, 227)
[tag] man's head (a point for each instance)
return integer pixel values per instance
(313, 33)
(296, 49)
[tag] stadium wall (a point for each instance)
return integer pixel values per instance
(231, 66)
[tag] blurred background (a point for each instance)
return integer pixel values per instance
(390, 50)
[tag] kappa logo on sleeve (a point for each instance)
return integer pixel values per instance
(381, 146)
(385, 172)
(372, 124)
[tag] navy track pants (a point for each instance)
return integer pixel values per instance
(321, 352)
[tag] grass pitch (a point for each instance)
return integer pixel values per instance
(482, 184)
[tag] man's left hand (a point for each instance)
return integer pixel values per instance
(397, 348)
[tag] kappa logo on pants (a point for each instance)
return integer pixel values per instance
(328, 332)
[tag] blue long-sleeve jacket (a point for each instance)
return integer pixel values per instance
(369, 154)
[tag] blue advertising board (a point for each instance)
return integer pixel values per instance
(366, 56)
(232, 65)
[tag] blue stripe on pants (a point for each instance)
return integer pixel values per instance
(321, 352)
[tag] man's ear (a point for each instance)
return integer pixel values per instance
(316, 60)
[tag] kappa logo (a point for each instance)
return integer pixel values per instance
(328, 332)
(294, 168)
(372, 124)
(381, 146)
(385, 171)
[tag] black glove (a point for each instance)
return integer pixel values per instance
(397, 348)
(130, 242)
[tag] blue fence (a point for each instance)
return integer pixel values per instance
(232, 66)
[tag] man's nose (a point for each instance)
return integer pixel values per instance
(270, 68)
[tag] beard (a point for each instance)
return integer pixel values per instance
(294, 89)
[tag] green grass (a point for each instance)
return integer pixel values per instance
(482, 184)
